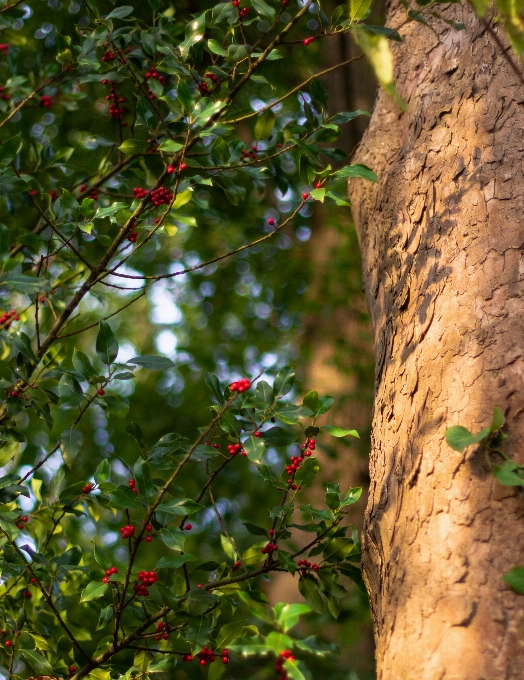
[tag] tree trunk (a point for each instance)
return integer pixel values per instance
(442, 235)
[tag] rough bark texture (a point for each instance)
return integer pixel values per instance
(442, 238)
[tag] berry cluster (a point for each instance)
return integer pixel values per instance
(153, 73)
(269, 548)
(93, 194)
(203, 88)
(279, 663)
(45, 100)
(236, 448)
(127, 531)
(108, 56)
(132, 486)
(160, 626)
(22, 519)
(240, 385)
(8, 317)
(250, 154)
(140, 193)
(109, 573)
(3, 94)
(208, 655)
(115, 111)
(149, 528)
(236, 566)
(161, 196)
(211, 77)
(147, 578)
(309, 444)
(308, 565)
(87, 488)
(307, 41)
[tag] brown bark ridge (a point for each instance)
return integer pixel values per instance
(442, 237)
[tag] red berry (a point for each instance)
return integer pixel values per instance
(170, 169)
(101, 393)
(318, 185)
(8, 643)
(188, 527)
(25, 518)
(72, 669)
(305, 196)
(28, 594)
(200, 585)
(257, 434)
(216, 446)
(271, 222)
(149, 527)
(148, 539)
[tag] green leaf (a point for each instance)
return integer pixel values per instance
(214, 385)
(293, 670)
(335, 431)
(30, 285)
(290, 615)
(279, 641)
(263, 8)
(126, 499)
(497, 421)
(103, 471)
(38, 663)
(509, 473)
(106, 616)
(318, 93)
(153, 363)
(174, 538)
(70, 443)
(135, 431)
(346, 116)
(291, 414)
(307, 472)
(11, 184)
(458, 437)
(93, 591)
(170, 146)
(264, 125)
(277, 436)
(355, 574)
(180, 507)
(106, 344)
(324, 404)
(338, 549)
(308, 586)
(118, 406)
(23, 345)
(198, 632)
(101, 558)
(120, 12)
(229, 633)
(175, 562)
(216, 48)
(357, 170)
(254, 529)
(358, 8)
(8, 451)
(287, 562)
(10, 148)
(515, 579)
(83, 365)
(352, 496)
(283, 382)
(254, 447)
(311, 401)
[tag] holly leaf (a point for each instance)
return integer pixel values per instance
(94, 591)
(106, 344)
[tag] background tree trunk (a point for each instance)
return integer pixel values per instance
(442, 237)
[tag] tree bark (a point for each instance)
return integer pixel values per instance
(442, 237)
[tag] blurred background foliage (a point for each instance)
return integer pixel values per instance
(295, 299)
